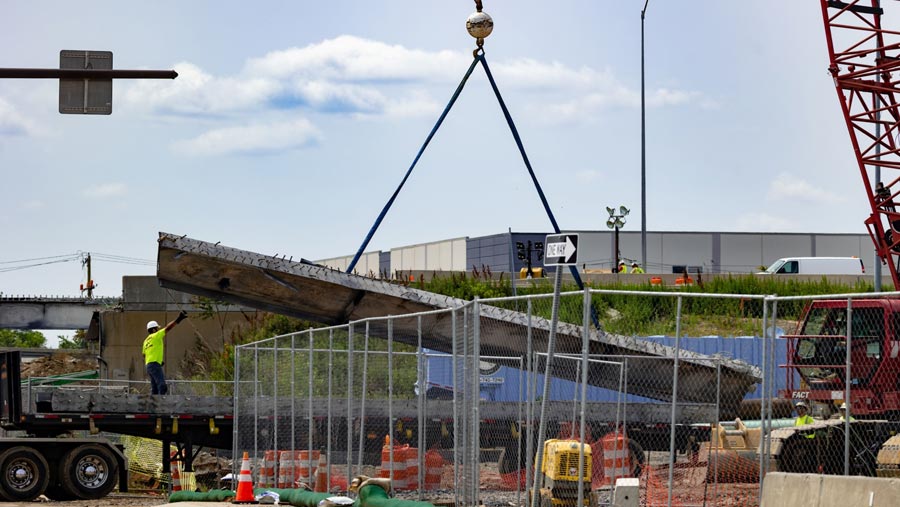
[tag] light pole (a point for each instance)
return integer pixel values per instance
(616, 221)
(525, 251)
(643, 151)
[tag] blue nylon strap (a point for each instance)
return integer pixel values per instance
(479, 57)
(537, 185)
(434, 130)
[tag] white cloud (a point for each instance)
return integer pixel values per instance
(763, 222)
(357, 76)
(787, 186)
(105, 190)
(349, 58)
(253, 139)
(12, 123)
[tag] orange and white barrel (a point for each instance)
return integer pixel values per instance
(616, 457)
(305, 463)
(285, 469)
(176, 476)
(434, 469)
(266, 477)
(412, 468)
(397, 455)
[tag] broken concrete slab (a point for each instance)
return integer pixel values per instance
(308, 291)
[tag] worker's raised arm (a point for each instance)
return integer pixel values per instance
(181, 316)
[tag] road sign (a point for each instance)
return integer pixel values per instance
(81, 95)
(561, 250)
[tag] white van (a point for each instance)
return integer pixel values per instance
(817, 266)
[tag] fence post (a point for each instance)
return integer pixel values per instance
(422, 383)
(585, 346)
(763, 393)
(476, 400)
(390, 368)
(275, 407)
(255, 402)
(362, 399)
(236, 435)
(551, 344)
(350, 331)
(309, 405)
(674, 401)
(847, 377)
(456, 459)
(718, 419)
(330, 406)
(529, 406)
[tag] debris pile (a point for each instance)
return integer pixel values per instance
(57, 364)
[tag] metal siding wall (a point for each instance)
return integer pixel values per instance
(785, 245)
(741, 253)
(689, 249)
(433, 256)
(843, 246)
(458, 254)
(396, 259)
(594, 249)
(384, 263)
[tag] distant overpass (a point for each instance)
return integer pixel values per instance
(41, 312)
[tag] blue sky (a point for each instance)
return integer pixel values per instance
(291, 123)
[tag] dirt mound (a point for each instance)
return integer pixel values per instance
(57, 364)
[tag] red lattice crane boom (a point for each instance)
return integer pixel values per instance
(864, 59)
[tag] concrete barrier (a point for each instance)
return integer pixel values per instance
(811, 490)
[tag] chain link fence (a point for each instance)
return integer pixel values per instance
(543, 400)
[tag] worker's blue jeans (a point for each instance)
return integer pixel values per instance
(157, 379)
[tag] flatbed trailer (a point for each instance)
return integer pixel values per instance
(48, 461)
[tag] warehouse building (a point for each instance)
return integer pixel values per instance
(667, 252)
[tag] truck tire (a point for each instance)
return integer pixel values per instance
(25, 474)
(89, 472)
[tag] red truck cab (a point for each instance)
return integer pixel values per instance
(819, 354)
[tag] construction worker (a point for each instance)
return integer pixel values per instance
(844, 413)
(806, 453)
(803, 418)
(154, 353)
(636, 268)
(623, 268)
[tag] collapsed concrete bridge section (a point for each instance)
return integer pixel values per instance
(308, 291)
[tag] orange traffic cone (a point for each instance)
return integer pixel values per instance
(245, 483)
(321, 476)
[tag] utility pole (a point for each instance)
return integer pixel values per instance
(643, 151)
(90, 281)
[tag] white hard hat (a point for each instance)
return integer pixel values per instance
(802, 404)
(843, 406)
(152, 324)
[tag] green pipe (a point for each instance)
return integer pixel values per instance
(216, 495)
(297, 497)
(373, 495)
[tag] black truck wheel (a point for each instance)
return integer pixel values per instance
(25, 474)
(89, 472)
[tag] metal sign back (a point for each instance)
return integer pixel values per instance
(561, 250)
(85, 96)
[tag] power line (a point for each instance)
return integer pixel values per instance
(17, 268)
(73, 256)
